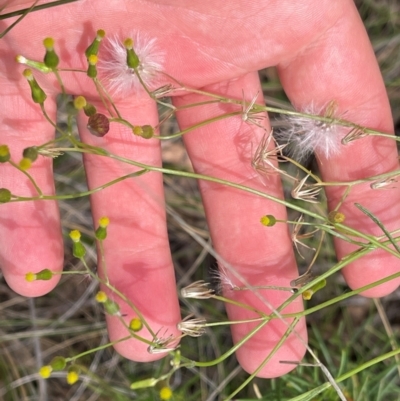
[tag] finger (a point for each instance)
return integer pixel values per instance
(261, 256)
(340, 66)
(30, 231)
(136, 252)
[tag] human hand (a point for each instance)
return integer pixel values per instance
(322, 53)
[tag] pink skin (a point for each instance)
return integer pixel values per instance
(322, 53)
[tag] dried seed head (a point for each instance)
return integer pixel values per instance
(193, 327)
(198, 290)
(307, 134)
(98, 124)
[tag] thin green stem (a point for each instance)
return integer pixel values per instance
(81, 194)
(60, 82)
(30, 178)
(113, 289)
(22, 13)
(196, 126)
(32, 8)
(239, 304)
(266, 360)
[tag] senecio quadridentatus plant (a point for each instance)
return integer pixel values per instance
(135, 64)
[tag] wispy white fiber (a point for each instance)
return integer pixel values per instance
(120, 79)
(306, 135)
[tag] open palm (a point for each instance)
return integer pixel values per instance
(322, 54)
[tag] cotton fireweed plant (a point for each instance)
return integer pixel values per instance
(135, 63)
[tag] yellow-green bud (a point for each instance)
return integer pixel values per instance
(75, 235)
(165, 393)
(58, 363)
(30, 153)
(307, 295)
(145, 131)
(101, 232)
(93, 48)
(104, 221)
(132, 59)
(4, 154)
(38, 95)
(51, 59)
(72, 376)
(101, 297)
(45, 371)
(92, 69)
(80, 102)
(5, 195)
(268, 220)
(29, 277)
(25, 163)
(136, 324)
(336, 217)
(48, 43)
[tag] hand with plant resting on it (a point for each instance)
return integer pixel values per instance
(322, 54)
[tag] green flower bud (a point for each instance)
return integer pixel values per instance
(268, 220)
(148, 131)
(51, 59)
(4, 153)
(37, 65)
(132, 59)
(5, 195)
(58, 363)
(45, 274)
(145, 131)
(101, 233)
(78, 250)
(89, 110)
(92, 69)
(94, 46)
(144, 383)
(30, 153)
(111, 307)
(38, 95)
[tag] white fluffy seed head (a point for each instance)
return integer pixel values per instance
(120, 79)
(306, 135)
